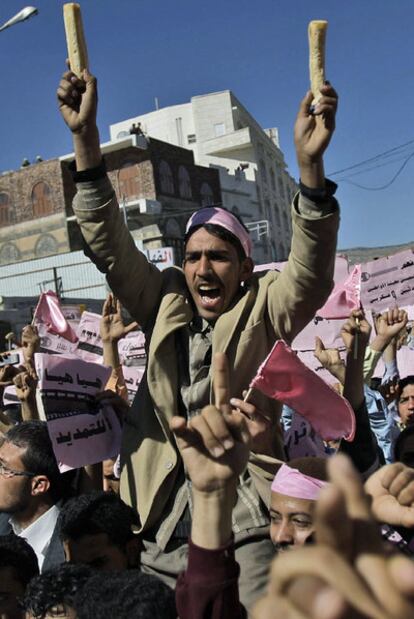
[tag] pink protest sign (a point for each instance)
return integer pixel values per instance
(83, 431)
(388, 281)
(89, 345)
(301, 440)
(282, 376)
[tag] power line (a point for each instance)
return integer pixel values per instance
(401, 168)
(371, 159)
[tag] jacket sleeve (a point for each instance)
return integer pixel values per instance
(208, 589)
(135, 281)
(307, 280)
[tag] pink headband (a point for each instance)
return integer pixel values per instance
(221, 217)
(292, 482)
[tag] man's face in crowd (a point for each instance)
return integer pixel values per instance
(15, 490)
(213, 273)
(291, 521)
(406, 405)
(10, 590)
(97, 551)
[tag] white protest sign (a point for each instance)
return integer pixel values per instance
(162, 257)
(131, 349)
(53, 343)
(89, 346)
(82, 430)
(132, 377)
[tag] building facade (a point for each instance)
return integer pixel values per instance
(254, 179)
(157, 184)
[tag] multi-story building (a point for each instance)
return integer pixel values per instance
(253, 176)
(158, 185)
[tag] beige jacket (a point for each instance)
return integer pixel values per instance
(274, 305)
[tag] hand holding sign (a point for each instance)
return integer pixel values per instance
(214, 445)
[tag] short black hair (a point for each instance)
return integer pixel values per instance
(400, 441)
(126, 595)
(97, 512)
(39, 457)
(221, 233)
(407, 380)
(59, 585)
(16, 553)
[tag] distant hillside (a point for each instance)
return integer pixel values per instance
(356, 255)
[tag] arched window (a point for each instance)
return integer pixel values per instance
(184, 183)
(46, 245)
(206, 195)
(42, 199)
(166, 178)
(272, 180)
(5, 209)
(128, 180)
(9, 253)
(172, 228)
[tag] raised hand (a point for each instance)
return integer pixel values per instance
(77, 99)
(111, 327)
(392, 492)
(313, 131)
(330, 359)
(30, 343)
(214, 445)
(391, 323)
(356, 324)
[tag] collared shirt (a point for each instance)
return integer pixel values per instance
(39, 533)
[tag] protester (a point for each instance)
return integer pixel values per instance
(405, 401)
(31, 490)
(96, 529)
(348, 572)
(295, 490)
(53, 593)
(215, 303)
(18, 565)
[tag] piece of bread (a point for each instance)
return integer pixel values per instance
(317, 36)
(75, 38)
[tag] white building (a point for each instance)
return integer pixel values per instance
(253, 176)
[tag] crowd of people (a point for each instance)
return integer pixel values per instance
(205, 513)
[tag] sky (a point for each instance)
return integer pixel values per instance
(176, 49)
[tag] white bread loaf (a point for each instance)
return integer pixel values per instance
(75, 38)
(317, 37)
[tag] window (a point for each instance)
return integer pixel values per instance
(262, 169)
(5, 211)
(179, 129)
(166, 178)
(277, 213)
(191, 138)
(219, 129)
(42, 199)
(184, 183)
(206, 195)
(46, 245)
(286, 221)
(9, 252)
(282, 253)
(272, 180)
(128, 180)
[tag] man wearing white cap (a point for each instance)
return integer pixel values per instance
(213, 304)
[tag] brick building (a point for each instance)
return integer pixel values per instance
(157, 185)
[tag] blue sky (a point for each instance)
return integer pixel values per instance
(174, 49)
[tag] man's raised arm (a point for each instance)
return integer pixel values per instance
(307, 280)
(134, 281)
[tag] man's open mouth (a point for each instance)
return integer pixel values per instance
(209, 294)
